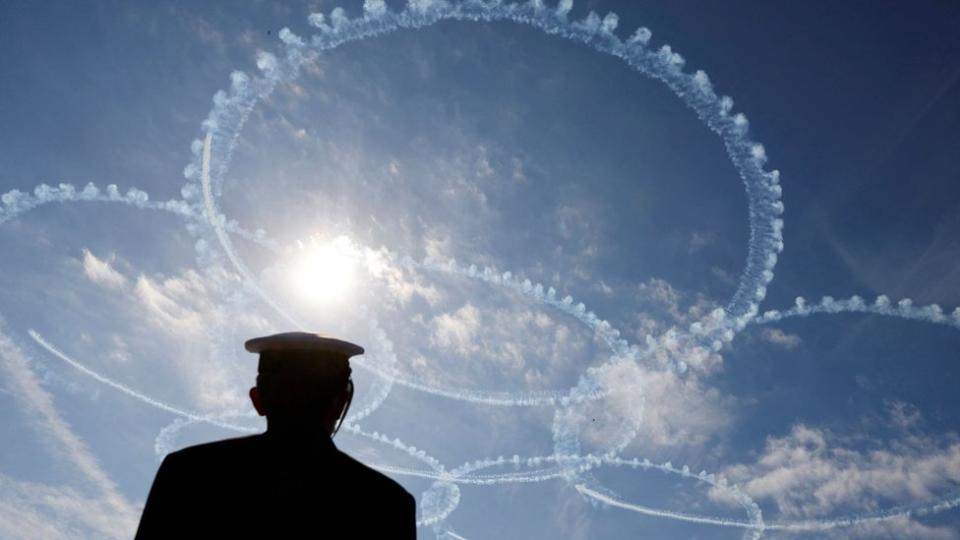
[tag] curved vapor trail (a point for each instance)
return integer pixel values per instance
(603, 328)
(461, 475)
(222, 127)
(438, 472)
(215, 420)
(904, 309)
(648, 511)
(15, 203)
(232, 108)
(792, 526)
(216, 220)
(39, 339)
(763, 190)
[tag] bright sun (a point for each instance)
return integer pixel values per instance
(326, 272)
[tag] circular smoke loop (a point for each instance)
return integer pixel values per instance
(213, 230)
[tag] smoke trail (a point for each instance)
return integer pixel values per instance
(904, 309)
(216, 220)
(763, 191)
(129, 391)
(756, 522)
(445, 505)
(794, 526)
(441, 499)
(603, 329)
(589, 462)
(450, 534)
(679, 516)
(223, 126)
(16, 203)
(442, 507)
(231, 108)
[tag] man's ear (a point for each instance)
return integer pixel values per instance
(257, 404)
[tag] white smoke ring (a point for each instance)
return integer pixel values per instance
(225, 121)
(231, 109)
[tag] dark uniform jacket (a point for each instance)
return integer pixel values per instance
(264, 486)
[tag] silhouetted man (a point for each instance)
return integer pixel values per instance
(291, 481)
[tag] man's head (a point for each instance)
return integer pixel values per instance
(303, 380)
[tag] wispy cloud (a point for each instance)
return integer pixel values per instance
(780, 338)
(102, 272)
(811, 473)
(116, 516)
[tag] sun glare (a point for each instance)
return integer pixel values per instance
(326, 272)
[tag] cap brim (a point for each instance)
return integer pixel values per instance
(302, 341)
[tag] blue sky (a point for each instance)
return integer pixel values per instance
(353, 183)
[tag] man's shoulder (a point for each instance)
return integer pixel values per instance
(216, 449)
(374, 478)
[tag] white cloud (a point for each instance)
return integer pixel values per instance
(482, 167)
(780, 338)
(700, 240)
(896, 528)
(518, 172)
(669, 410)
(115, 512)
(580, 226)
(510, 344)
(403, 284)
(661, 308)
(723, 276)
(603, 288)
(119, 350)
(670, 306)
(38, 511)
(102, 272)
(175, 304)
(809, 474)
(183, 312)
(681, 411)
(457, 330)
(903, 415)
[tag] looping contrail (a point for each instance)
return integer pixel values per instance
(206, 174)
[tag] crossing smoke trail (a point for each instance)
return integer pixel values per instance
(763, 190)
(444, 505)
(389, 376)
(441, 506)
(216, 220)
(206, 174)
(231, 110)
(433, 513)
(17, 203)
